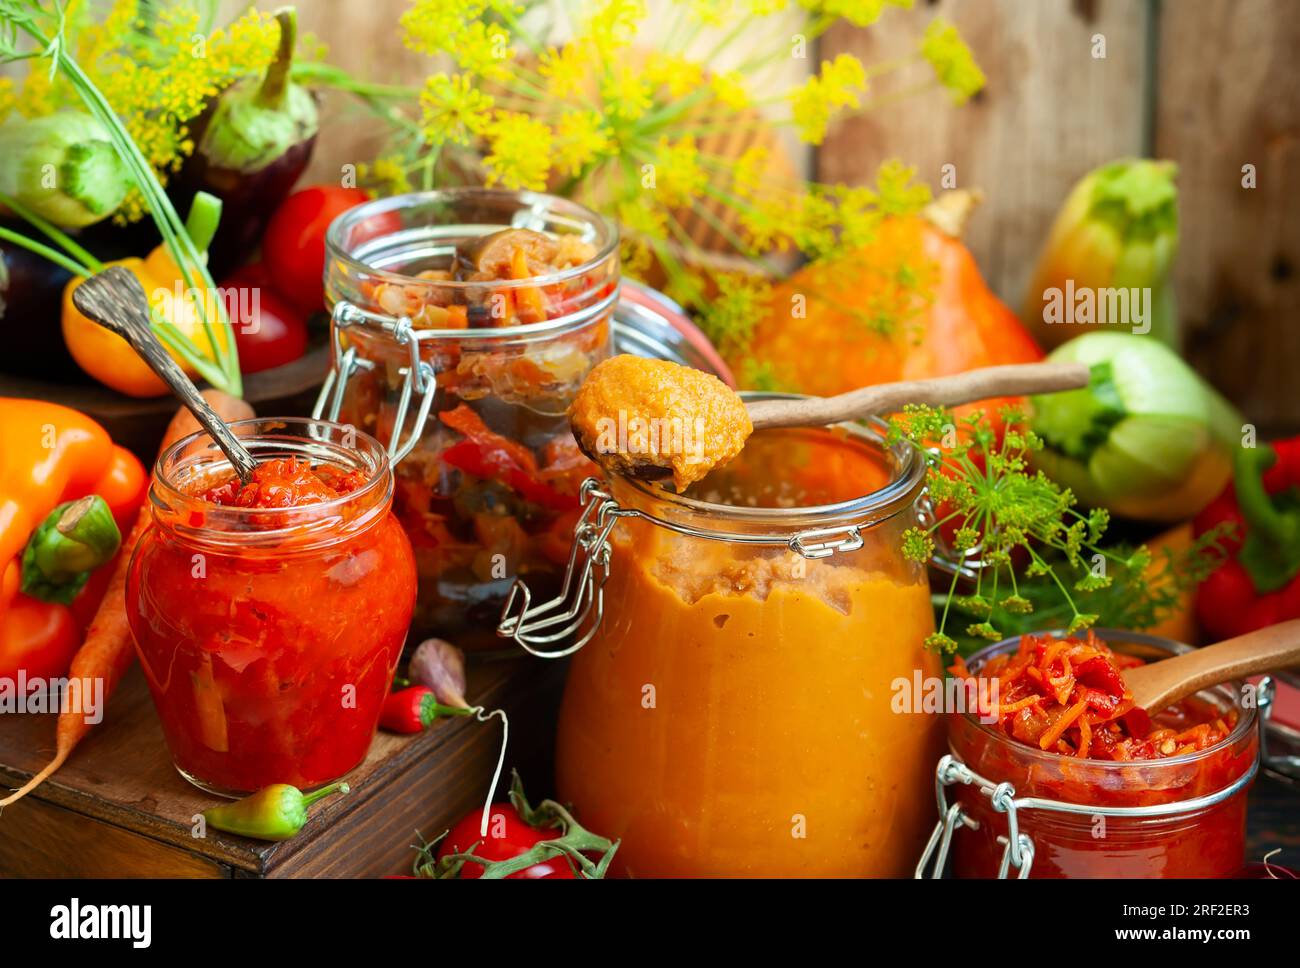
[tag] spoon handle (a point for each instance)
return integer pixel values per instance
(1012, 380)
(1270, 649)
(115, 299)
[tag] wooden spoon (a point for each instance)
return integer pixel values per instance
(1160, 684)
(946, 391)
(115, 299)
(1012, 380)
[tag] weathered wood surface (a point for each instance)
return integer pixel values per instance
(1229, 96)
(119, 808)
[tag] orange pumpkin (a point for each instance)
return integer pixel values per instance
(908, 305)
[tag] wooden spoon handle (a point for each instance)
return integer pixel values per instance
(1013, 380)
(1159, 684)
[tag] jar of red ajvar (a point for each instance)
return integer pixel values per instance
(1011, 809)
(269, 633)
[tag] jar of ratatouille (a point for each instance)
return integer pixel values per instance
(1037, 790)
(464, 321)
(733, 707)
(269, 615)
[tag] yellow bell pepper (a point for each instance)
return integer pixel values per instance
(109, 358)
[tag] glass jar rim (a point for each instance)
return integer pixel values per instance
(1245, 714)
(274, 436)
(335, 249)
(906, 481)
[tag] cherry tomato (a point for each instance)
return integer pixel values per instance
(268, 330)
(508, 836)
(38, 638)
(294, 244)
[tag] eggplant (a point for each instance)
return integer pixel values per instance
(252, 145)
(31, 301)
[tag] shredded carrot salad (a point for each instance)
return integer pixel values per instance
(1068, 696)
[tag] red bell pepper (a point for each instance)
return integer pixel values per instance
(1259, 584)
(486, 454)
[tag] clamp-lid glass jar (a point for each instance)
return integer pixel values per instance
(468, 371)
(1018, 810)
(733, 710)
(269, 634)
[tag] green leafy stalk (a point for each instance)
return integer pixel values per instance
(1022, 532)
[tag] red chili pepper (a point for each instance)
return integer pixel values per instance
(411, 710)
(486, 454)
(1259, 584)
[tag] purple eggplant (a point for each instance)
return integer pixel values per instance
(251, 146)
(31, 300)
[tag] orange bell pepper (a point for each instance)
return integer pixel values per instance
(109, 358)
(50, 454)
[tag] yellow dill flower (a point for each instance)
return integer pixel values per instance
(383, 177)
(729, 315)
(747, 176)
(158, 88)
(711, 13)
(519, 151)
(626, 94)
(613, 24)
(729, 89)
(453, 109)
(764, 223)
(679, 178)
(895, 192)
(765, 8)
(8, 96)
(461, 30)
(687, 287)
(580, 138)
(636, 256)
(638, 218)
(674, 73)
(860, 13)
(818, 100)
(952, 60)
(565, 69)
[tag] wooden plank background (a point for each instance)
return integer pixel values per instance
(1210, 84)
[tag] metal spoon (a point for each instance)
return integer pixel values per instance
(115, 299)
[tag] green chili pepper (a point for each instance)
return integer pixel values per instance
(276, 812)
(74, 540)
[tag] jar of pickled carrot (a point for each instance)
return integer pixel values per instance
(733, 708)
(1013, 809)
(269, 616)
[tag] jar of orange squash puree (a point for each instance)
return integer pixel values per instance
(729, 709)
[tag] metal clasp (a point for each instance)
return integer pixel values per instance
(1018, 848)
(581, 599)
(417, 376)
(805, 543)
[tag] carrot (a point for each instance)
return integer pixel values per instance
(108, 649)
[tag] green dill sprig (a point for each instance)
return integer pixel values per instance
(1015, 528)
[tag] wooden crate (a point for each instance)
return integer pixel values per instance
(119, 808)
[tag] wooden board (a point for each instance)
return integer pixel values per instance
(119, 808)
(1049, 112)
(1228, 96)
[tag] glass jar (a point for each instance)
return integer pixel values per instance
(269, 636)
(470, 383)
(1177, 816)
(733, 709)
